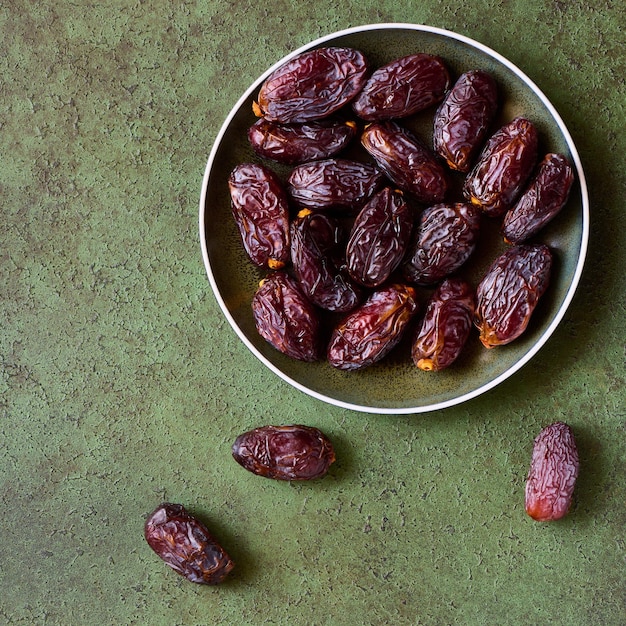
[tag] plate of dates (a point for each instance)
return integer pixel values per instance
(394, 218)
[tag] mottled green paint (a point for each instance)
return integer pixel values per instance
(123, 385)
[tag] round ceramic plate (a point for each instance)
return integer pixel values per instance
(394, 385)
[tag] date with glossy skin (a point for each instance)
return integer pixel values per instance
(503, 167)
(403, 87)
(553, 473)
(509, 292)
(299, 143)
(285, 452)
(370, 332)
(379, 238)
(545, 196)
(312, 85)
(445, 238)
(186, 545)
(446, 326)
(333, 184)
(318, 259)
(260, 208)
(285, 318)
(462, 121)
(406, 161)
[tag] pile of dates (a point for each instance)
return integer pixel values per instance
(351, 213)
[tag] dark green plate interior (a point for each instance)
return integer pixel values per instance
(395, 385)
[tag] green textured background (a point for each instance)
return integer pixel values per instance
(122, 384)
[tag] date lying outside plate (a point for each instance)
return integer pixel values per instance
(389, 143)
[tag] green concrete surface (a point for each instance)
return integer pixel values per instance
(123, 385)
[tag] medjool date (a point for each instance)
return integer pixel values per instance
(371, 331)
(403, 87)
(285, 318)
(542, 200)
(318, 259)
(379, 238)
(299, 143)
(408, 163)
(284, 452)
(552, 474)
(463, 119)
(312, 85)
(186, 545)
(259, 207)
(446, 326)
(503, 167)
(333, 183)
(445, 238)
(509, 292)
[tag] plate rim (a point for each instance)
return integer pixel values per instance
(541, 340)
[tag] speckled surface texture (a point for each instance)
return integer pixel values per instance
(123, 385)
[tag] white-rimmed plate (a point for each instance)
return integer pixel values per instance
(395, 386)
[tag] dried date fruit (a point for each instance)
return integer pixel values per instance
(503, 167)
(285, 318)
(299, 143)
(446, 326)
(408, 163)
(186, 545)
(553, 473)
(463, 119)
(371, 331)
(445, 238)
(333, 184)
(259, 206)
(379, 237)
(285, 452)
(509, 292)
(403, 87)
(318, 259)
(312, 85)
(543, 199)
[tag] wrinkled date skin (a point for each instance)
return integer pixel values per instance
(333, 184)
(446, 326)
(379, 238)
(503, 167)
(463, 120)
(543, 199)
(406, 161)
(299, 143)
(186, 545)
(259, 206)
(370, 332)
(285, 452)
(312, 85)
(403, 87)
(444, 240)
(285, 318)
(318, 259)
(509, 292)
(553, 473)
